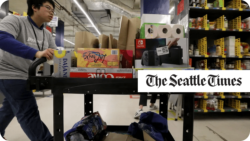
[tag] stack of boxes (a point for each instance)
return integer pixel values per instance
(230, 45)
(102, 57)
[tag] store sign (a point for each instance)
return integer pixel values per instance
(193, 81)
(53, 22)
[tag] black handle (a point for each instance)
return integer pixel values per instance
(33, 66)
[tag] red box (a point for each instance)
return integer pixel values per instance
(126, 59)
(101, 73)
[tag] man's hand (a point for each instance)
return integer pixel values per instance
(48, 53)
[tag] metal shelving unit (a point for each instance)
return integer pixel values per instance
(215, 36)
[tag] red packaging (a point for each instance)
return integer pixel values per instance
(243, 25)
(126, 59)
(101, 73)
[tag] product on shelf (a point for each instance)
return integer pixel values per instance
(245, 48)
(197, 52)
(243, 106)
(210, 93)
(199, 94)
(212, 104)
(209, 4)
(196, 104)
(219, 3)
(192, 22)
(200, 64)
(247, 22)
(230, 45)
(225, 23)
(245, 65)
(212, 25)
(212, 50)
(218, 50)
(199, 22)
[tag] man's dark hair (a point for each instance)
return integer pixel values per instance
(37, 4)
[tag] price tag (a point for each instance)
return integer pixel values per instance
(162, 51)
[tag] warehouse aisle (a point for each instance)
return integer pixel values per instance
(119, 110)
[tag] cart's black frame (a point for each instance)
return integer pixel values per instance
(88, 87)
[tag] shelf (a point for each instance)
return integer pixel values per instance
(212, 57)
(227, 109)
(219, 9)
(217, 30)
(214, 13)
(226, 96)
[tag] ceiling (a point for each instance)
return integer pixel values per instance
(106, 26)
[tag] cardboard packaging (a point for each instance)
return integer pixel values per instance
(129, 28)
(122, 137)
(62, 63)
(85, 39)
(103, 41)
(126, 58)
(112, 42)
(98, 58)
(122, 41)
(134, 25)
(101, 73)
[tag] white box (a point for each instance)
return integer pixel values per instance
(229, 41)
(230, 50)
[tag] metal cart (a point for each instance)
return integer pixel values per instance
(88, 87)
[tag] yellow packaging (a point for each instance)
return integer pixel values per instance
(98, 58)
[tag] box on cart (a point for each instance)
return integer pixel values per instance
(101, 73)
(62, 63)
(126, 58)
(98, 58)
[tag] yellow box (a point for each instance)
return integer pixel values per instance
(98, 58)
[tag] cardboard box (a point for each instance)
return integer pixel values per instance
(98, 58)
(111, 41)
(62, 63)
(114, 44)
(134, 25)
(129, 28)
(101, 73)
(85, 39)
(122, 41)
(103, 41)
(122, 137)
(126, 59)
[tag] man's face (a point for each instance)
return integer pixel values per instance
(45, 12)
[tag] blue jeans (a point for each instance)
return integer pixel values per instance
(21, 103)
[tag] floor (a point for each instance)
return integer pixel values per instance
(119, 110)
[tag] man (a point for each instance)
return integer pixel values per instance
(22, 40)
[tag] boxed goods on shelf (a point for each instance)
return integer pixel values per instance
(230, 45)
(98, 58)
(101, 73)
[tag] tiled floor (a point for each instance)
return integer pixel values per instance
(119, 110)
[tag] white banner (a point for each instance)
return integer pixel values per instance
(193, 81)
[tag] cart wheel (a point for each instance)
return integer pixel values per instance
(176, 119)
(180, 117)
(142, 62)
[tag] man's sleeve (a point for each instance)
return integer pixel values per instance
(9, 31)
(11, 25)
(10, 44)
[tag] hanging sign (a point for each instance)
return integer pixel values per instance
(53, 22)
